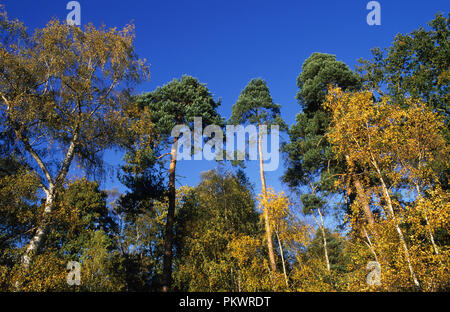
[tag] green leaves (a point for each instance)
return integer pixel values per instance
(311, 203)
(318, 71)
(309, 153)
(255, 106)
(178, 102)
(416, 65)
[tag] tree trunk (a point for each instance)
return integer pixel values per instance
(282, 259)
(324, 241)
(361, 195)
(363, 199)
(369, 243)
(387, 198)
(436, 250)
(168, 241)
(36, 242)
(273, 265)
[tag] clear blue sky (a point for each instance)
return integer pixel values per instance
(226, 43)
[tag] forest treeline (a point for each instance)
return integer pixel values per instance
(369, 148)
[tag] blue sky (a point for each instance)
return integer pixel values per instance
(226, 43)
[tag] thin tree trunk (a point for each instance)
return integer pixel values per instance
(239, 280)
(387, 197)
(369, 243)
(322, 227)
(168, 240)
(282, 259)
(273, 265)
(436, 250)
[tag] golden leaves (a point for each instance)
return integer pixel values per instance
(403, 141)
(403, 149)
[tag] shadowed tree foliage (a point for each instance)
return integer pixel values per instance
(81, 230)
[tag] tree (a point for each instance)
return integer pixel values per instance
(83, 230)
(309, 154)
(139, 239)
(311, 273)
(177, 103)
(255, 106)
(312, 203)
(80, 230)
(416, 65)
(397, 146)
(63, 93)
(141, 211)
(18, 198)
(290, 232)
(217, 210)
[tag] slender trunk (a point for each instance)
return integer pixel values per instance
(239, 280)
(168, 240)
(436, 250)
(282, 259)
(322, 227)
(387, 198)
(273, 265)
(369, 243)
(366, 208)
(368, 214)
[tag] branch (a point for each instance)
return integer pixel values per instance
(159, 157)
(36, 157)
(68, 159)
(28, 146)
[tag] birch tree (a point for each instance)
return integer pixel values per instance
(64, 92)
(396, 146)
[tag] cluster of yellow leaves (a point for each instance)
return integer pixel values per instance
(404, 141)
(278, 208)
(282, 220)
(311, 276)
(254, 273)
(394, 147)
(47, 273)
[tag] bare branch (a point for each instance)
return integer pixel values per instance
(159, 157)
